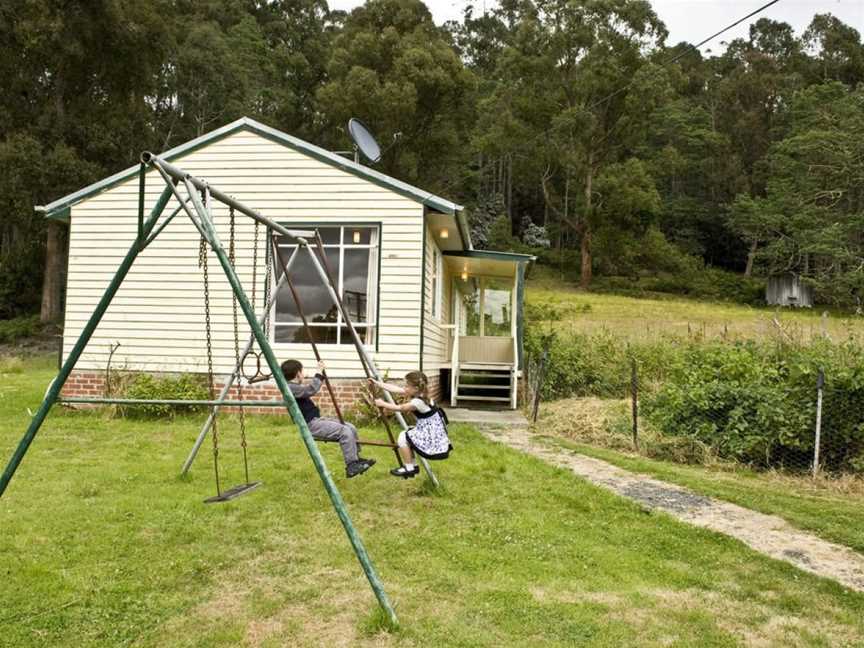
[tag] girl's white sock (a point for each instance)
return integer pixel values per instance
(409, 466)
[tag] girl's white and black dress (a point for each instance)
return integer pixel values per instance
(429, 436)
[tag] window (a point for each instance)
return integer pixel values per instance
(352, 254)
(489, 296)
(437, 278)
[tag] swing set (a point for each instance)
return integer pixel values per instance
(198, 206)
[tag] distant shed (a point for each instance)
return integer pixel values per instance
(788, 290)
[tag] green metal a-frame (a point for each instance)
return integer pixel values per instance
(199, 212)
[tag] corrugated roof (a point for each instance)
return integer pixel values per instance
(60, 208)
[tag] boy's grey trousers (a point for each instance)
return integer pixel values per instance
(331, 430)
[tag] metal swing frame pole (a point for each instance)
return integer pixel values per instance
(223, 395)
(326, 278)
(138, 245)
(290, 402)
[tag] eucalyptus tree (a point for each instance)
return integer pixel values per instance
(392, 67)
(576, 89)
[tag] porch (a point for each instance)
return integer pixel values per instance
(485, 344)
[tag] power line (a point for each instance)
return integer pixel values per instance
(621, 89)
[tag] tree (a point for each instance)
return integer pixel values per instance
(576, 87)
(812, 216)
(394, 69)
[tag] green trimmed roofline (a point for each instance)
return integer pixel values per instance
(490, 254)
(60, 208)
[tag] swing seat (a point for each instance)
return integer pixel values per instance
(233, 493)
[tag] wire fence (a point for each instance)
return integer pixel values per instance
(813, 429)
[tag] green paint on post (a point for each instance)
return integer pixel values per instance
(84, 338)
(294, 411)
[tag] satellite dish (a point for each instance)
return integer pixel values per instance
(364, 141)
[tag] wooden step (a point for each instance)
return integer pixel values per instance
(472, 374)
(492, 366)
(503, 399)
(469, 386)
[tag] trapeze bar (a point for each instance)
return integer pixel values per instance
(180, 175)
(74, 400)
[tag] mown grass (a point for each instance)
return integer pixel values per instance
(102, 544)
(828, 508)
(655, 316)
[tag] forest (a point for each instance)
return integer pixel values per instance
(570, 128)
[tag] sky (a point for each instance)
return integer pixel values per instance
(691, 20)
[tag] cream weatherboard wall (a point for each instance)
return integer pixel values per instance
(436, 340)
(157, 315)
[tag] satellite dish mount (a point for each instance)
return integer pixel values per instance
(364, 142)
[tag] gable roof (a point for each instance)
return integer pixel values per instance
(59, 209)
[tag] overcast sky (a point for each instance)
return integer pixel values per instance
(691, 20)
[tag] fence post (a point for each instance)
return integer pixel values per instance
(539, 385)
(820, 385)
(634, 399)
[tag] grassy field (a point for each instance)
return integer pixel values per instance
(660, 315)
(103, 545)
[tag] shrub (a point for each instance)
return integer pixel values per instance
(18, 328)
(147, 386)
(756, 403)
(746, 401)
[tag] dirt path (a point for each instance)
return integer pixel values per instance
(766, 534)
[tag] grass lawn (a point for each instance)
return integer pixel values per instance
(820, 507)
(102, 545)
(828, 507)
(653, 317)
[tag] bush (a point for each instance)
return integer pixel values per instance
(755, 403)
(749, 402)
(147, 386)
(18, 328)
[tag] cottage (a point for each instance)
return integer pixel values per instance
(420, 295)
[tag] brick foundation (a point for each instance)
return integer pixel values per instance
(87, 384)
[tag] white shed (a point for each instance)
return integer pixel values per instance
(421, 296)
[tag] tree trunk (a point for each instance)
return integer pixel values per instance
(55, 270)
(751, 255)
(585, 248)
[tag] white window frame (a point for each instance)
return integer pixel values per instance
(437, 283)
(374, 246)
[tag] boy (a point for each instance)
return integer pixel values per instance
(321, 428)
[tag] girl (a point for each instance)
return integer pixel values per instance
(429, 437)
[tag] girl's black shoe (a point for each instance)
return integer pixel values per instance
(404, 473)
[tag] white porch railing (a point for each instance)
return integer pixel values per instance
(454, 362)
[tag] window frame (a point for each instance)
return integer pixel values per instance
(437, 289)
(342, 246)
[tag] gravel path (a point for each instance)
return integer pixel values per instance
(767, 534)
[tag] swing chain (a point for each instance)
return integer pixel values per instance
(242, 413)
(202, 263)
(268, 278)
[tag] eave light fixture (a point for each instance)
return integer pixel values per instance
(465, 273)
(445, 233)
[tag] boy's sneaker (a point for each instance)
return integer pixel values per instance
(404, 473)
(357, 468)
(371, 462)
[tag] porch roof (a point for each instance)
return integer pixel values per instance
(487, 262)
